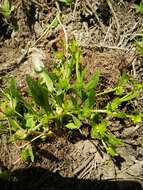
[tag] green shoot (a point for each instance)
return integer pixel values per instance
(139, 8)
(6, 8)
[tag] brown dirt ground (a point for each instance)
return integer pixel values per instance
(105, 32)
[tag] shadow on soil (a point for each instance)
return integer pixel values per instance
(42, 179)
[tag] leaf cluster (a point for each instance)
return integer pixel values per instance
(6, 8)
(139, 8)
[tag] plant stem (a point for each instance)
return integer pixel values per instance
(100, 111)
(106, 92)
(37, 137)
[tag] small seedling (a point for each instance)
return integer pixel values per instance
(6, 8)
(139, 8)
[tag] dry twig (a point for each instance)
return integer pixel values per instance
(116, 20)
(75, 6)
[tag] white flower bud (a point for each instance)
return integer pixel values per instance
(37, 59)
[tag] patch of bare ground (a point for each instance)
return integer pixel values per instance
(105, 31)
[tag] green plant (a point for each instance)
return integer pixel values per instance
(6, 8)
(139, 8)
(63, 98)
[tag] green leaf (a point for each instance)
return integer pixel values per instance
(120, 90)
(39, 94)
(114, 104)
(76, 124)
(112, 140)
(129, 96)
(46, 79)
(73, 47)
(78, 69)
(76, 121)
(70, 104)
(66, 70)
(71, 126)
(64, 84)
(139, 8)
(30, 122)
(137, 118)
(9, 111)
(12, 90)
(6, 8)
(78, 74)
(20, 134)
(27, 154)
(99, 130)
(6, 5)
(15, 125)
(112, 151)
(119, 115)
(122, 83)
(90, 101)
(85, 112)
(93, 81)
